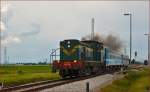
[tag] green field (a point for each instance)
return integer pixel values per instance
(12, 75)
(134, 81)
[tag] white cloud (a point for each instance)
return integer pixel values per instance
(5, 7)
(4, 10)
(10, 39)
(2, 28)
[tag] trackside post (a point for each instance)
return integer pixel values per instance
(87, 87)
(1, 85)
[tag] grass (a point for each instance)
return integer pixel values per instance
(12, 75)
(134, 81)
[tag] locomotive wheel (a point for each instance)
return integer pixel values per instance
(88, 71)
(74, 73)
(69, 73)
(62, 73)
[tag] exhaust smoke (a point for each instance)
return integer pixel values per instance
(111, 41)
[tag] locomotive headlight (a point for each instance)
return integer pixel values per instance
(75, 61)
(68, 45)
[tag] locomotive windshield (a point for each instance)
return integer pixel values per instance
(69, 50)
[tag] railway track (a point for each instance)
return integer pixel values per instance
(38, 86)
(17, 88)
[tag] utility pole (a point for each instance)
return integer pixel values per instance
(149, 48)
(148, 35)
(149, 38)
(92, 29)
(125, 51)
(0, 55)
(5, 55)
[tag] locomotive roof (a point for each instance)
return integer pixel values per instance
(71, 40)
(92, 41)
(86, 41)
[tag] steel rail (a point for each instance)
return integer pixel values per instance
(8, 89)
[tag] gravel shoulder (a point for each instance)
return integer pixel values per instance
(80, 86)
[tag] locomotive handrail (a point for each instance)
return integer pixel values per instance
(51, 54)
(54, 50)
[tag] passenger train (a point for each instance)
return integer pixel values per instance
(86, 58)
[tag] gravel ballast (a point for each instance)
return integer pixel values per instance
(80, 86)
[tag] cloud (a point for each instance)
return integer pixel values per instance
(11, 39)
(8, 35)
(29, 30)
(5, 7)
(6, 14)
(4, 11)
(33, 29)
(2, 28)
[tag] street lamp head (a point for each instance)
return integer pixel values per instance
(126, 14)
(147, 34)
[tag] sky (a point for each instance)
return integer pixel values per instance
(30, 29)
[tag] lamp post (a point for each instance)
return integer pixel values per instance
(148, 48)
(129, 14)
